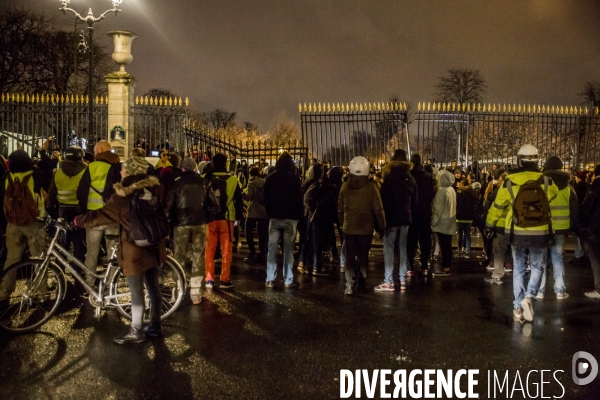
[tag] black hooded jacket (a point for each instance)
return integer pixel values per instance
(589, 215)
(398, 194)
(426, 190)
(187, 203)
(283, 191)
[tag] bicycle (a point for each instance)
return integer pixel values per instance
(40, 285)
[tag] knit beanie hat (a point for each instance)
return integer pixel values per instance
(135, 165)
(19, 161)
(553, 162)
(399, 155)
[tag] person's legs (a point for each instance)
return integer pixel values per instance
(274, 234)
(411, 245)
(578, 247)
(402, 236)
(558, 266)
(363, 247)
(151, 280)
(350, 250)
(15, 244)
(390, 238)
(212, 238)
(263, 236)
(594, 254)
(519, 266)
(425, 243)
(467, 230)
(499, 251)
(93, 239)
(198, 249)
(136, 285)
(181, 239)
(250, 225)
(460, 227)
(537, 263)
(318, 244)
(446, 250)
(289, 235)
(225, 235)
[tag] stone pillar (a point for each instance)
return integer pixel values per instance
(120, 116)
(120, 96)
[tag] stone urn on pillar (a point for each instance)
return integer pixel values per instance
(121, 85)
(122, 48)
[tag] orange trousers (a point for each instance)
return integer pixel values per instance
(219, 231)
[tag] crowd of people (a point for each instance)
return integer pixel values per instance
(524, 215)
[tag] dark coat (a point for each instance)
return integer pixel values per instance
(467, 201)
(360, 210)
(589, 215)
(581, 189)
(399, 194)
(426, 192)
(187, 204)
(132, 259)
(325, 197)
(283, 191)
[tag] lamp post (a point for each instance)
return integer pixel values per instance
(90, 20)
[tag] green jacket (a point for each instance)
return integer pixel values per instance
(360, 209)
(538, 236)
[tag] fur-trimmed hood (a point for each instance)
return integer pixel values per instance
(108, 156)
(123, 189)
(396, 165)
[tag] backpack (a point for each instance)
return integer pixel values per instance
(148, 220)
(219, 186)
(20, 208)
(531, 207)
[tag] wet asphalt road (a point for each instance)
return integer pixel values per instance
(258, 343)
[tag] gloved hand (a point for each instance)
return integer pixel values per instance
(489, 233)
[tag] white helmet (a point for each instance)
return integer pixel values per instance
(359, 166)
(528, 154)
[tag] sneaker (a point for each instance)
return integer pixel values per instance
(592, 295)
(291, 285)
(348, 291)
(385, 287)
(316, 272)
(562, 296)
(226, 284)
(494, 281)
(441, 273)
(304, 270)
(210, 284)
(409, 273)
(508, 268)
(539, 295)
(527, 304)
(133, 336)
(270, 283)
(467, 255)
(342, 268)
(489, 267)
(403, 285)
(518, 314)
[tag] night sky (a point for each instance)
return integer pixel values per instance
(260, 58)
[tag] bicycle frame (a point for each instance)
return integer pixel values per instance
(63, 257)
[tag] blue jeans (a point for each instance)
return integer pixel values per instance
(286, 229)
(464, 236)
(537, 262)
(392, 237)
(558, 266)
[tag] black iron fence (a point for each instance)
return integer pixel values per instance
(159, 123)
(202, 142)
(29, 120)
(493, 133)
(336, 132)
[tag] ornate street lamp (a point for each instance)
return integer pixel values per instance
(90, 20)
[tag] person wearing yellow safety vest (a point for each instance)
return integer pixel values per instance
(564, 208)
(62, 197)
(96, 187)
(524, 239)
(21, 232)
(499, 244)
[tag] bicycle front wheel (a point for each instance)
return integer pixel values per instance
(172, 286)
(34, 294)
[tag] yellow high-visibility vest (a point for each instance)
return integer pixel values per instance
(66, 187)
(98, 173)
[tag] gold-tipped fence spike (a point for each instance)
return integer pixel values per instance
(187, 102)
(562, 110)
(419, 106)
(428, 106)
